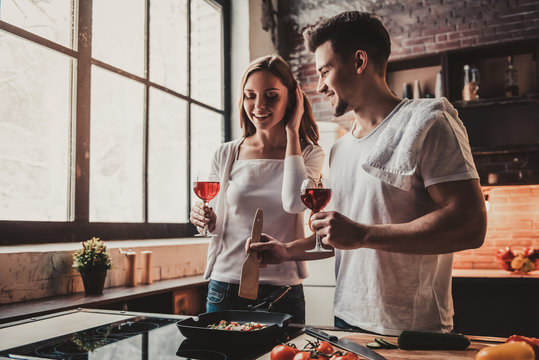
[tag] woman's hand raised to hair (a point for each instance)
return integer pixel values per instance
(297, 114)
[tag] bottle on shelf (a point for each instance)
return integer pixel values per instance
(470, 90)
(417, 90)
(438, 87)
(407, 91)
(511, 79)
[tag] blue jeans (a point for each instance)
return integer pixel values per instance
(224, 296)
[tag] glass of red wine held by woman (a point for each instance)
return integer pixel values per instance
(206, 187)
(315, 194)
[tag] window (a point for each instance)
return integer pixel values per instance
(107, 111)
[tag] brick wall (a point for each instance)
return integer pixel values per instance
(428, 26)
(416, 27)
(513, 220)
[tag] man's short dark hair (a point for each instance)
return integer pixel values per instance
(351, 31)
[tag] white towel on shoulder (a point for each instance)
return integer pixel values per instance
(395, 156)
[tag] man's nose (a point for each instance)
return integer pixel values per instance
(321, 87)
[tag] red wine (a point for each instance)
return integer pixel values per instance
(315, 199)
(206, 190)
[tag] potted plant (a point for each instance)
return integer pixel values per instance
(92, 261)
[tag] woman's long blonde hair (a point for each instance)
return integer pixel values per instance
(274, 64)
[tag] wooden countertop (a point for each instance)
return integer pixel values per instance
(398, 354)
(488, 273)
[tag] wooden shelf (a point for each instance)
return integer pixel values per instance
(451, 63)
(21, 310)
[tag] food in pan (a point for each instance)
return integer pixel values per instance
(236, 326)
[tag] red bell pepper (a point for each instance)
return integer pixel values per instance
(533, 342)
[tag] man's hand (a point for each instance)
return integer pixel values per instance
(339, 231)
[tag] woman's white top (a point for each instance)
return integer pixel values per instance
(246, 185)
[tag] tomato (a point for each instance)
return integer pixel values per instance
(533, 342)
(533, 254)
(283, 352)
(304, 355)
(325, 347)
(505, 254)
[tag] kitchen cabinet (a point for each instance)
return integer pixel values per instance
(186, 301)
(496, 306)
(490, 60)
(319, 290)
(496, 125)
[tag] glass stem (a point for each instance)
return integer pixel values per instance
(205, 222)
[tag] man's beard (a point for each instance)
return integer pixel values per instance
(340, 108)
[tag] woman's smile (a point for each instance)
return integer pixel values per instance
(262, 117)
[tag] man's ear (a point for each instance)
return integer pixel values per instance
(360, 60)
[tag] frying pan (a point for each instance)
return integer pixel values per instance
(197, 327)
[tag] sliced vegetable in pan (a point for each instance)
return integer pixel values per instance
(236, 326)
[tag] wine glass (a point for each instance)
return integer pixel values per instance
(315, 194)
(206, 187)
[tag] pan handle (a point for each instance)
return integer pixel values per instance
(272, 298)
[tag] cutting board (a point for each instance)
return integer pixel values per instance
(398, 354)
(363, 339)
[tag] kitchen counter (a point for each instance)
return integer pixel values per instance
(165, 341)
(22, 310)
(488, 273)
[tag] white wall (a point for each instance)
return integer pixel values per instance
(259, 39)
(249, 41)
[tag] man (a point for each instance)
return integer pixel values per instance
(406, 193)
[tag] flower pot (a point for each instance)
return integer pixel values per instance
(94, 281)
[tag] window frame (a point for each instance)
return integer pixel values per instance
(80, 228)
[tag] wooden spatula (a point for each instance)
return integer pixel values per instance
(250, 269)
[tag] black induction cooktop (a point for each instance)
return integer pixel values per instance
(140, 337)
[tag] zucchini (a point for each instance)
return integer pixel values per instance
(385, 344)
(425, 340)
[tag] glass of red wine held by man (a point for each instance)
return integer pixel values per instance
(206, 187)
(315, 194)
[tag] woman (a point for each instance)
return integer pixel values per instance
(264, 169)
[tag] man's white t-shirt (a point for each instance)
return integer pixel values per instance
(382, 291)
